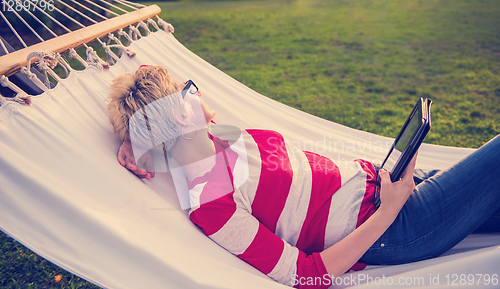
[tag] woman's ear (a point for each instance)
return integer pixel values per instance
(182, 121)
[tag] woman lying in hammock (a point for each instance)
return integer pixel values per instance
(295, 215)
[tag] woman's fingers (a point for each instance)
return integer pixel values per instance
(145, 166)
(410, 169)
(121, 157)
(407, 182)
(394, 195)
(150, 168)
(385, 177)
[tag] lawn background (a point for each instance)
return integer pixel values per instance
(359, 63)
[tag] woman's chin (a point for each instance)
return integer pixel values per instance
(209, 118)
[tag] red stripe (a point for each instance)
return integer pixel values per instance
(275, 177)
(216, 200)
(212, 216)
(265, 250)
(311, 267)
(367, 208)
(325, 182)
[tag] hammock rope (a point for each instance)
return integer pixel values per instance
(131, 5)
(102, 8)
(52, 18)
(114, 6)
(77, 11)
(152, 23)
(41, 23)
(114, 45)
(24, 21)
(4, 47)
(12, 28)
(134, 33)
(21, 96)
(143, 26)
(89, 10)
(34, 78)
(74, 55)
(121, 33)
(47, 60)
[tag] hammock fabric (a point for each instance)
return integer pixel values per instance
(64, 195)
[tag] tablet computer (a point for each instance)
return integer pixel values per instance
(406, 144)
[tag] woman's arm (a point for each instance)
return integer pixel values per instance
(342, 255)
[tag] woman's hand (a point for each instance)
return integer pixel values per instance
(341, 256)
(394, 195)
(144, 167)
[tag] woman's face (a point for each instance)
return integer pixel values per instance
(197, 103)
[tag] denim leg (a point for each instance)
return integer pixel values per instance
(443, 210)
(421, 175)
(492, 224)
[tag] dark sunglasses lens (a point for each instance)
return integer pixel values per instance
(193, 89)
(190, 87)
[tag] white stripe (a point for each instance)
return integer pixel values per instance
(346, 202)
(294, 212)
(286, 266)
(194, 195)
(240, 170)
(238, 232)
(254, 167)
(181, 187)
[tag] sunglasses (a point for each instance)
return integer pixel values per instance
(189, 88)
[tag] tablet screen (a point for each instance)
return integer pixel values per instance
(404, 139)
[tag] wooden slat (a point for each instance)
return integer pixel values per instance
(11, 63)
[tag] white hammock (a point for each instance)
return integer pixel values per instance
(64, 195)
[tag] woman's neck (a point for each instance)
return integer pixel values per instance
(196, 156)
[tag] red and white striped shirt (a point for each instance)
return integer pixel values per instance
(276, 207)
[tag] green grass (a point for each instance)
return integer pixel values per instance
(360, 63)
(20, 268)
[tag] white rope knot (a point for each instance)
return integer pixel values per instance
(28, 73)
(152, 23)
(73, 54)
(31, 76)
(45, 57)
(134, 32)
(43, 67)
(143, 26)
(112, 37)
(111, 55)
(94, 60)
(47, 60)
(121, 48)
(4, 81)
(21, 96)
(130, 53)
(67, 68)
(120, 33)
(166, 26)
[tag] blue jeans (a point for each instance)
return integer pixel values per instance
(445, 207)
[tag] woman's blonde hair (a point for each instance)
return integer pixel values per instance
(158, 100)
